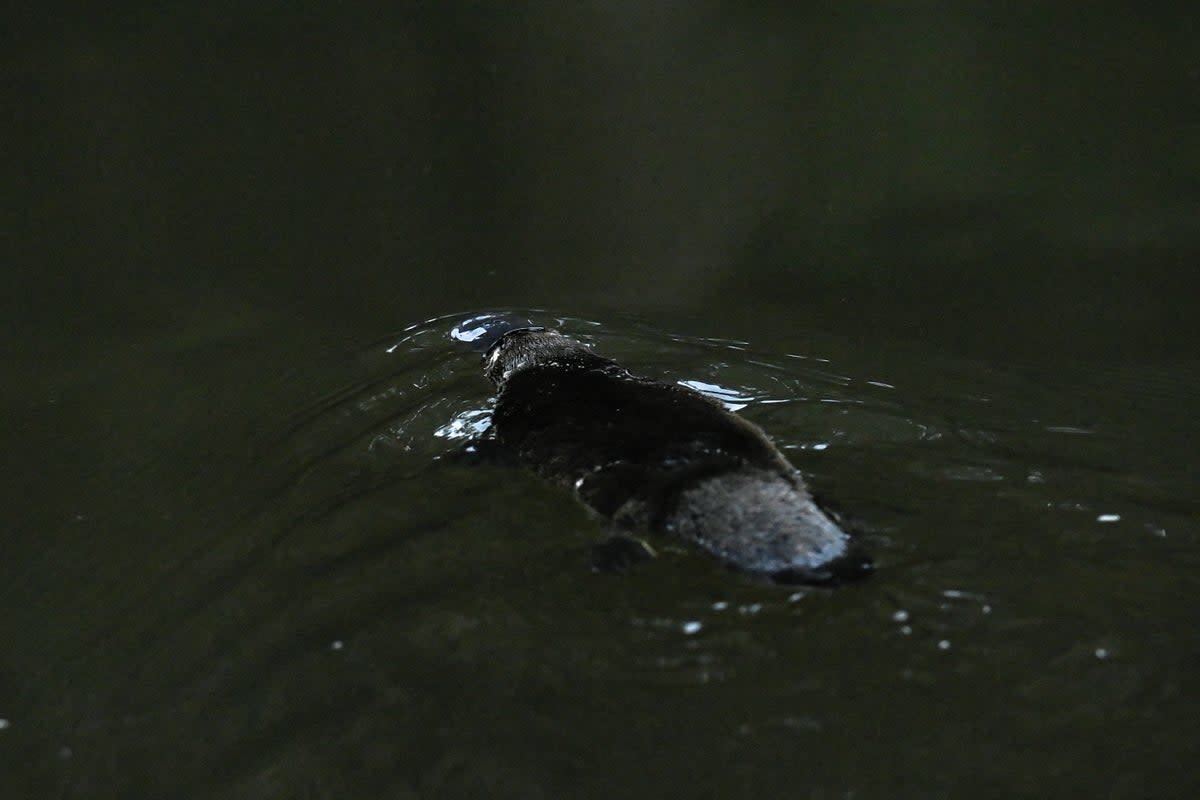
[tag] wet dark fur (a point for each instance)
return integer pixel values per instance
(653, 456)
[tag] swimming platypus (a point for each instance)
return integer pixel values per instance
(657, 457)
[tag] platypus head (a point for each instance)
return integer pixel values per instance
(484, 331)
(510, 345)
(525, 348)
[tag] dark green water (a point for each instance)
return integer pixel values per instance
(945, 256)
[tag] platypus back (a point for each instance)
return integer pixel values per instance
(654, 456)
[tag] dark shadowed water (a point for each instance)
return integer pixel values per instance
(946, 257)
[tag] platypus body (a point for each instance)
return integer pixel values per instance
(650, 456)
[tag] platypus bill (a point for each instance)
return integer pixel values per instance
(657, 457)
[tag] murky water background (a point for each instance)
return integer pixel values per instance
(945, 257)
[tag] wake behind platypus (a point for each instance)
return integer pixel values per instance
(649, 456)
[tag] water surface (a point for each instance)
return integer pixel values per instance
(346, 607)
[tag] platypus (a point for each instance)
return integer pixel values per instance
(657, 457)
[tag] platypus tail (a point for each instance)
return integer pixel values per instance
(853, 566)
(767, 524)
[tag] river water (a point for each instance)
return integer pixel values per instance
(944, 257)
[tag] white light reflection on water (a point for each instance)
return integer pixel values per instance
(467, 334)
(808, 358)
(466, 424)
(730, 398)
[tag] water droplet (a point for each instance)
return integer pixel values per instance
(337, 644)
(1102, 653)
(720, 605)
(900, 616)
(944, 644)
(692, 627)
(4, 724)
(1108, 518)
(906, 630)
